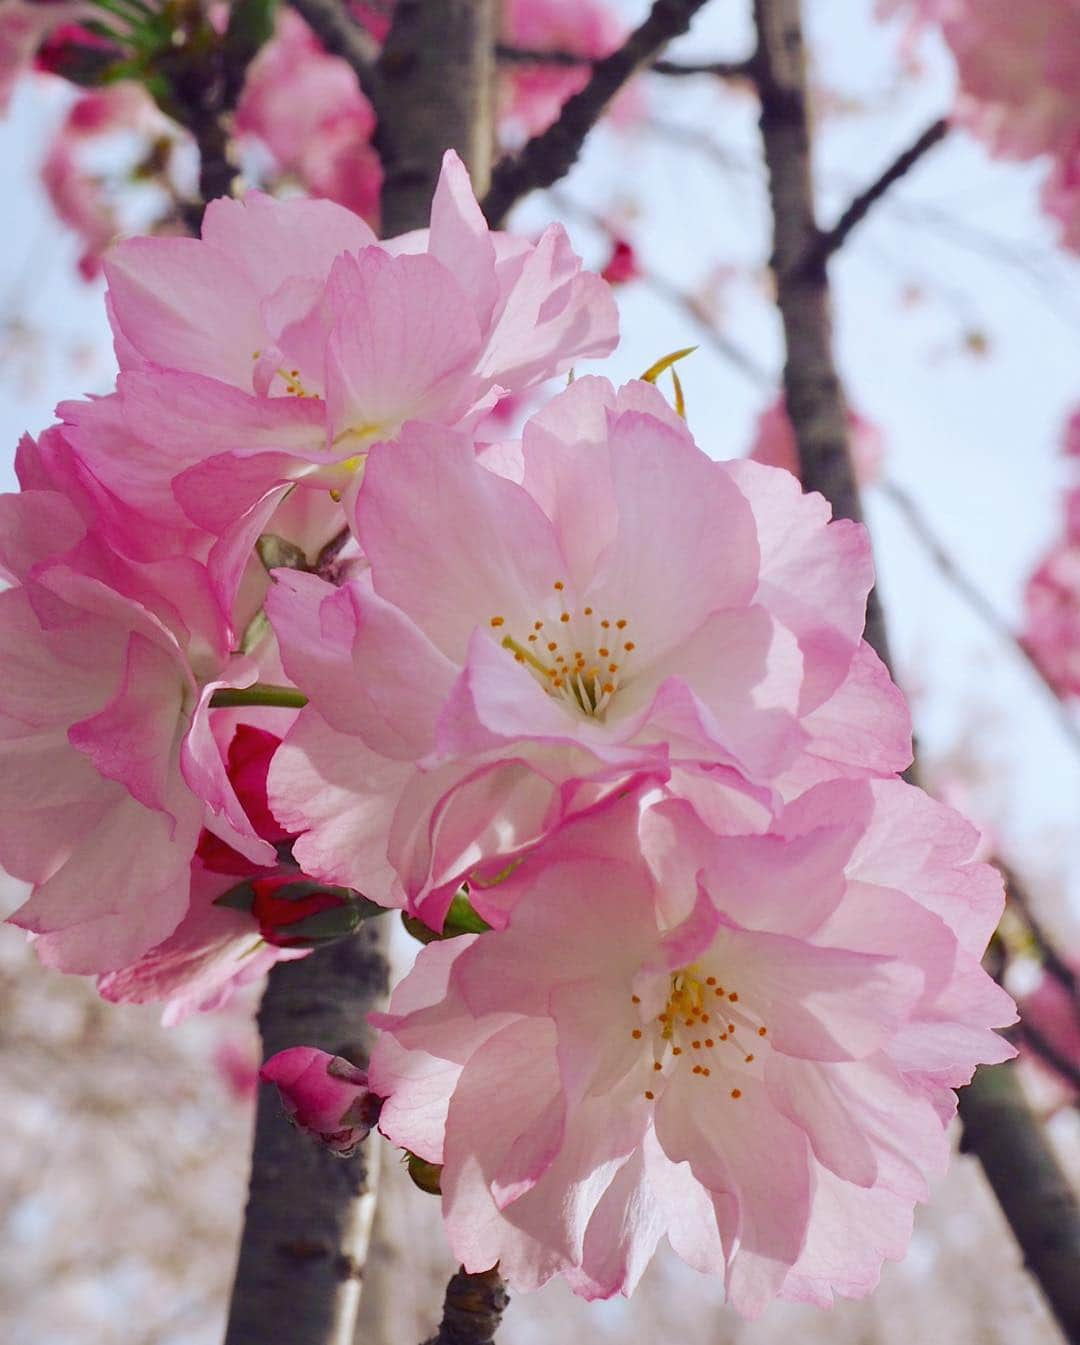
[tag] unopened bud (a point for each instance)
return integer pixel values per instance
(325, 1096)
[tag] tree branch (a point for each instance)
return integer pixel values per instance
(676, 69)
(472, 1309)
(308, 1213)
(826, 242)
(975, 598)
(549, 156)
(342, 36)
(998, 1125)
(1052, 961)
(439, 60)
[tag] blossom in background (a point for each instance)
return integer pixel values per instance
(1018, 68)
(82, 199)
(1051, 632)
(533, 634)
(307, 109)
(1051, 1013)
(325, 1096)
(746, 1044)
(622, 266)
(535, 92)
(774, 443)
(23, 28)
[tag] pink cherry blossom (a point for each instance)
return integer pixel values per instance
(307, 108)
(286, 341)
(111, 767)
(774, 443)
(324, 1095)
(746, 1044)
(533, 633)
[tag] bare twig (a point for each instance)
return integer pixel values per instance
(472, 1309)
(827, 241)
(683, 300)
(549, 156)
(676, 69)
(976, 599)
(999, 1127)
(1026, 1034)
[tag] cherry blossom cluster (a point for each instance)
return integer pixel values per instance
(289, 641)
(1018, 68)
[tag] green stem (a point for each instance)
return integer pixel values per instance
(261, 693)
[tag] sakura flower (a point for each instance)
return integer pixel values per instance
(324, 1095)
(774, 443)
(746, 1044)
(521, 646)
(110, 765)
(307, 109)
(284, 343)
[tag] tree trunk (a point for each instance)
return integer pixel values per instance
(309, 1214)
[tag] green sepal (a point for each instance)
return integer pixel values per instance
(461, 918)
(427, 1176)
(238, 898)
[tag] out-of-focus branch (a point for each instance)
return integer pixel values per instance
(814, 397)
(206, 80)
(1052, 961)
(472, 1309)
(675, 69)
(999, 1127)
(342, 36)
(827, 241)
(683, 300)
(549, 156)
(975, 598)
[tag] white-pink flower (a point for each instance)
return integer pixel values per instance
(110, 764)
(746, 1044)
(542, 625)
(280, 346)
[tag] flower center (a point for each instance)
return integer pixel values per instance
(704, 1022)
(579, 657)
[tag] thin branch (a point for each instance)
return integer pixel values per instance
(472, 1309)
(1048, 1053)
(549, 156)
(1052, 961)
(684, 301)
(342, 36)
(976, 599)
(827, 241)
(676, 69)
(999, 1127)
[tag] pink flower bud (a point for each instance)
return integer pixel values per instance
(325, 1096)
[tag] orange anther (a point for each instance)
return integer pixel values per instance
(649, 1094)
(559, 585)
(636, 1034)
(497, 621)
(710, 980)
(736, 1092)
(750, 1058)
(762, 1031)
(620, 624)
(629, 646)
(709, 1041)
(734, 996)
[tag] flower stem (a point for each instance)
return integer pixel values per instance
(260, 693)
